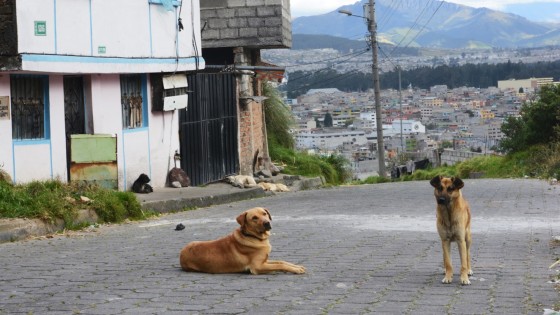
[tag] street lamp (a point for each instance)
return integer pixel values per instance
(370, 19)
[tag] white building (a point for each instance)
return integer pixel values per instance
(369, 116)
(525, 84)
(329, 139)
(408, 126)
(83, 67)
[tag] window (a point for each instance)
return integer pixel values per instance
(29, 107)
(133, 101)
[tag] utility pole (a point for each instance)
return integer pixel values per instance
(369, 13)
(372, 28)
(400, 107)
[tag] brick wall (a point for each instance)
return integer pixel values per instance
(251, 124)
(246, 23)
(251, 135)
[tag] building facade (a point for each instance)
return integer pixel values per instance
(68, 78)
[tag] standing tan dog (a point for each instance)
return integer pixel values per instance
(453, 224)
(244, 250)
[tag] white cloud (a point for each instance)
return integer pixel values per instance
(314, 7)
(496, 4)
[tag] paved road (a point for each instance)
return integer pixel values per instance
(368, 250)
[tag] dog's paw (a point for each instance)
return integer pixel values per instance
(465, 281)
(471, 272)
(447, 280)
(299, 269)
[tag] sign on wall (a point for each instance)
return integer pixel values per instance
(4, 107)
(40, 28)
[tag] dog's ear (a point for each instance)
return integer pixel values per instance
(242, 218)
(458, 183)
(436, 181)
(267, 212)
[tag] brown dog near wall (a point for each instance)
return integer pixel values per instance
(453, 224)
(244, 250)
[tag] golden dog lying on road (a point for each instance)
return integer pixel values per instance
(453, 224)
(244, 250)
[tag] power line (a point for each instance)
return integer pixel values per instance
(325, 60)
(316, 84)
(328, 68)
(411, 27)
(424, 26)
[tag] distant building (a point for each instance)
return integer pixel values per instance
(526, 84)
(438, 89)
(307, 124)
(432, 102)
(408, 126)
(329, 139)
(340, 120)
(324, 91)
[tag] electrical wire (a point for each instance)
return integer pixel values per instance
(425, 24)
(410, 28)
(326, 68)
(352, 55)
(194, 42)
(387, 18)
(330, 80)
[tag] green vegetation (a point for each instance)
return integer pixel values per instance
(539, 123)
(479, 75)
(281, 145)
(51, 200)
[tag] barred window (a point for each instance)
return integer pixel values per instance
(133, 101)
(29, 113)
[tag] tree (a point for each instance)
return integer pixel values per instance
(538, 124)
(327, 122)
(278, 118)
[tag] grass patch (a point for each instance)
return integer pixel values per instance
(539, 162)
(333, 168)
(51, 200)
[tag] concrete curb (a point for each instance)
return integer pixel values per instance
(12, 230)
(163, 201)
(178, 204)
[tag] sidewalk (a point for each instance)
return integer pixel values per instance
(162, 200)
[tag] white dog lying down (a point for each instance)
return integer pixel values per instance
(242, 181)
(274, 187)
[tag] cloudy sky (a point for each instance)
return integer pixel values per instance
(314, 7)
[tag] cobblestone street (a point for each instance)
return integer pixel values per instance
(370, 249)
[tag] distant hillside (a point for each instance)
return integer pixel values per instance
(480, 75)
(343, 45)
(438, 24)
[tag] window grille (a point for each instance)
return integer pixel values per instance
(132, 101)
(28, 107)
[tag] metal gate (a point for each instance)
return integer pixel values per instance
(208, 128)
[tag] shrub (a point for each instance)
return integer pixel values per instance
(51, 200)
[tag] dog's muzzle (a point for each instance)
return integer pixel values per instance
(442, 201)
(267, 226)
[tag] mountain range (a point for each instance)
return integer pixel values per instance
(433, 24)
